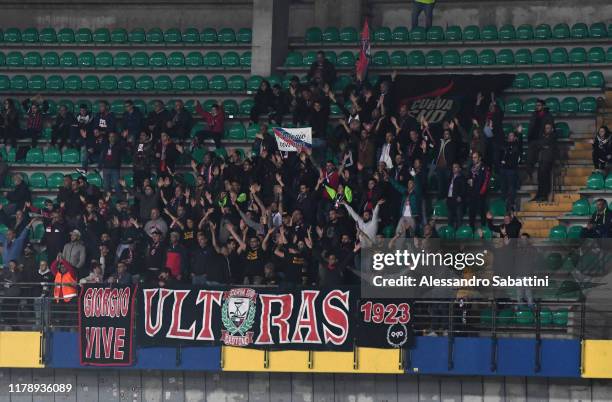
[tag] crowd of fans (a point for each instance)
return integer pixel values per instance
(275, 218)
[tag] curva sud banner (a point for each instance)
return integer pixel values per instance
(106, 322)
(439, 98)
(247, 317)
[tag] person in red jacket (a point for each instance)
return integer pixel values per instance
(215, 120)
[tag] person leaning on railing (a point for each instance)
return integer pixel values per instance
(65, 280)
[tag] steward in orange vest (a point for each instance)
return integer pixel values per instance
(65, 280)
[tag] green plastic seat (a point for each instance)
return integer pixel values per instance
(464, 232)
(608, 182)
(83, 35)
(38, 180)
(52, 156)
(343, 81)
(87, 60)
(217, 83)
(559, 55)
(453, 33)
(346, 59)
(553, 105)
(137, 35)
(595, 181)
(230, 107)
(193, 59)
(236, 83)
(542, 32)
(119, 35)
(34, 156)
(381, 59)
(181, 83)
(226, 35)
(540, 56)
(117, 107)
(52, 105)
(486, 57)
(588, 105)
(505, 57)
(596, 55)
(104, 60)
(440, 209)
(230, 60)
(595, 79)
(47, 35)
(576, 80)
(235, 131)
(560, 317)
(382, 34)
(253, 83)
(155, 35)
(450, 58)
(50, 60)
(561, 31)
(94, 179)
(245, 59)
(416, 58)
(529, 105)
(433, 58)
(29, 35)
(19, 83)
(418, 34)
(524, 316)
(310, 57)
(252, 130)
(435, 34)
(163, 83)
(73, 83)
(514, 105)
(246, 106)
(471, 33)
(39, 202)
(469, 58)
(145, 83)
(175, 60)
(212, 59)
(209, 35)
(69, 60)
(558, 232)
(173, 35)
(446, 232)
(14, 59)
(91, 83)
(331, 35)
(539, 81)
(489, 32)
(55, 83)
(37, 83)
(313, 35)
(12, 35)
(562, 129)
(348, 35)
(126, 83)
(191, 35)
(505, 317)
(609, 55)
(557, 80)
(581, 207)
(580, 31)
(101, 35)
(122, 60)
(108, 83)
(522, 56)
(507, 32)
(521, 81)
(598, 30)
(157, 60)
(498, 207)
(577, 55)
(199, 83)
(524, 32)
(66, 35)
(294, 59)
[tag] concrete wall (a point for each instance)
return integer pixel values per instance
(168, 386)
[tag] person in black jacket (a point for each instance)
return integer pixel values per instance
(545, 149)
(133, 121)
(322, 71)
(142, 159)
(18, 196)
(264, 99)
(456, 196)
(65, 128)
(491, 121)
(180, 121)
(539, 119)
(511, 228)
(9, 123)
(445, 158)
(601, 219)
(511, 155)
(602, 149)
(157, 120)
(110, 162)
(478, 186)
(280, 105)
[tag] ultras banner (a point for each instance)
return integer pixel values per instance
(439, 98)
(314, 319)
(106, 322)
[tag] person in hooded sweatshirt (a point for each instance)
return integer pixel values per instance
(74, 251)
(602, 149)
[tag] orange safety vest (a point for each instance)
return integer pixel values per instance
(61, 291)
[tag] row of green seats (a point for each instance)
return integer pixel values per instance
(464, 232)
(497, 207)
(559, 80)
(53, 156)
(567, 105)
(561, 232)
(470, 57)
(524, 316)
(55, 180)
(122, 36)
(582, 207)
(35, 59)
(455, 33)
(112, 83)
(597, 181)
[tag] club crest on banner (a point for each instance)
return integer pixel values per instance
(238, 316)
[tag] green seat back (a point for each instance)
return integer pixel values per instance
(50, 59)
(381, 58)
(542, 32)
(348, 35)
(464, 232)
(194, 59)
(558, 232)
(176, 60)
(117, 107)
(529, 105)
(574, 232)
(181, 83)
(346, 59)
(157, 59)
(226, 35)
(446, 232)
(560, 317)
(540, 56)
(37, 83)
(400, 34)
(440, 209)
(595, 79)
(236, 83)
(469, 58)
(596, 55)
(562, 129)
(47, 35)
(173, 35)
(137, 35)
(230, 60)
(191, 35)
(163, 83)
(246, 106)
(557, 80)
(313, 35)
(83, 35)
(108, 83)
(498, 207)
(209, 35)
(561, 31)
(14, 59)
(524, 32)
(91, 83)
(522, 56)
(450, 58)
(486, 57)
(598, 30)
(126, 83)
(119, 35)
(418, 34)
(580, 31)
(521, 81)
(29, 35)
(331, 35)
(32, 59)
(72, 83)
(507, 32)
(471, 33)
(435, 34)
(245, 59)
(382, 34)
(235, 131)
(122, 60)
(155, 35)
(104, 60)
(55, 83)
(416, 58)
(94, 179)
(578, 55)
(588, 105)
(581, 207)
(553, 105)
(489, 32)
(576, 80)
(145, 83)
(199, 83)
(34, 155)
(525, 316)
(453, 33)
(212, 59)
(38, 180)
(87, 59)
(65, 35)
(101, 35)
(559, 56)
(433, 58)
(505, 57)
(514, 105)
(12, 35)
(69, 60)
(52, 156)
(230, 107)
(218, 83)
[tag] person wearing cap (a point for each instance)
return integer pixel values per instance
(74, 251)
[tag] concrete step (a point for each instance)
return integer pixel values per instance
(536, 224)
(577, 171)
(574, 180)
(560, 207)
(585, 154)
(537, 214)
(582, 145)
(537, 233)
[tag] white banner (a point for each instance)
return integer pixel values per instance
(293, 139)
